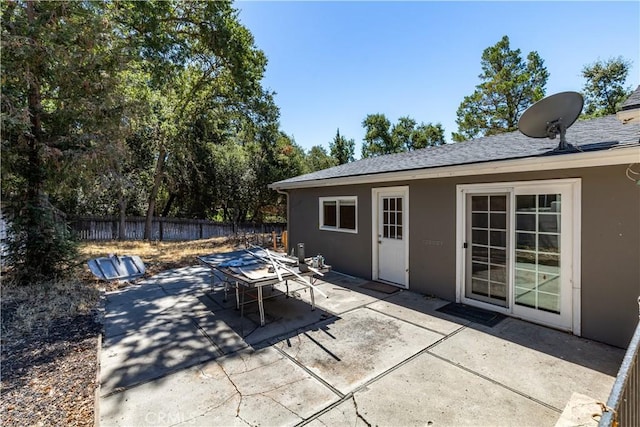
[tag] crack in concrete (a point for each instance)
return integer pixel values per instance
(358, 414)
(278, 403)
(247, 369)
(279, 387)
(170, 372)
(242, 396)
(206, 411)
(237, 391)
(245, 421)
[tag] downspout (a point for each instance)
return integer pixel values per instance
(279, 191)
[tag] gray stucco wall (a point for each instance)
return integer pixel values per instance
(610, 255)
(346, 252)
(610, 241)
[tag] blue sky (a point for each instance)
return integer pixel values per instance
(332, 63)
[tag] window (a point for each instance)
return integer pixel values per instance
(339, 213)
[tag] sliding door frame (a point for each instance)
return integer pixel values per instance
(572, 264)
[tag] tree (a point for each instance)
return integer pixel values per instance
(59, 75)
(377, 138)
(405, 135)
(201, 61)
(234, 180)
(112, 178)
(402, 132)
(509, 85)
(276, 157)
(318, 159)
(428, 135)
(132, 107)
(604, 87)
(342, 149)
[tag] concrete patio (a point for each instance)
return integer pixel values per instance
(175, 353)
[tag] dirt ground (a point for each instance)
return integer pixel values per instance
(50, 333)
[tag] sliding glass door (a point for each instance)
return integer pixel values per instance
(488, 246)
(543, 261)
(519, 250)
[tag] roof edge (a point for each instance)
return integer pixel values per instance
(618, 155)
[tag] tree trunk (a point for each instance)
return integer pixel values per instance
(242, 215)
(157, 181)
(35, 177)
(258, 216)
(36, 227)
(122, 235)
(167, 207)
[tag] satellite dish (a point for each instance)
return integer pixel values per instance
(552, 116)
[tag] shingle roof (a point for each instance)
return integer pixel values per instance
(587, 135)
(633, 101)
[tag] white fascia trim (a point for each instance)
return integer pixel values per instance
(615, 156)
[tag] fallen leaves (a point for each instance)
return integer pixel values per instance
(50, 378)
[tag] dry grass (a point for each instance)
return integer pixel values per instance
(161, 256)
(29, 308)
(49, 358)
(157, 256)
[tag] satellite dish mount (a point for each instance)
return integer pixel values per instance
(552, 116)
(556, 128)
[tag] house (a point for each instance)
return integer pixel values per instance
(629, 110)
(502, 223)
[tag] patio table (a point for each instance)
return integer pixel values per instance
(245, 269)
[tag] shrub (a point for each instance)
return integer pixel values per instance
(39, 242)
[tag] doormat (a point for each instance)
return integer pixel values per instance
(477, 315)
(380, 287)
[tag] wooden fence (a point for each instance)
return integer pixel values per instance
(108, 228)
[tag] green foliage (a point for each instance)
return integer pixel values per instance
(402, 132)
(342, 149)
(317, 159)
(59, 103)
(235, 180)
(40, 245)
(377, 138)
(428, 135)
(406, 135)
(274, 158)
(204, 75)
(116, 107)
(509, 85)
(604, 88)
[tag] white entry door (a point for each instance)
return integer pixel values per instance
(391, 236)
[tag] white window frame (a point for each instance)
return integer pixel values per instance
(337, 200)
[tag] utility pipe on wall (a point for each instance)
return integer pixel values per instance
(286, 244)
